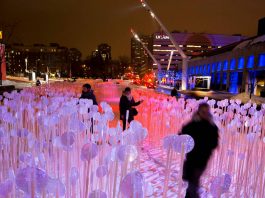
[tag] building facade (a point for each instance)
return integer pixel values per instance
(100, 62)
(104, 51)
(2, 63)
(140, 60)
(53, 59)
(193, 44)
(236, 68)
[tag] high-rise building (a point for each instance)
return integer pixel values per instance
(139, 57)
(100, 61)
(104, 51)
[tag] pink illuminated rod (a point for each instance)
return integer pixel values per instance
(179, 50)
(48, 150)
(45, 139)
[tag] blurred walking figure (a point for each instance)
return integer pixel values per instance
(174, 92)
(38, 83)
(88, 93)
(205, 134)
(127, 103)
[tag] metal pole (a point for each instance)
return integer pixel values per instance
(179, 50)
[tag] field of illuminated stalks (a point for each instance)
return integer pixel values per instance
(47, 148)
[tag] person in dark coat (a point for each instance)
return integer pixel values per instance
(88, 93)
(38, 83)
(127, 102)
(174, 92)
(205, 134)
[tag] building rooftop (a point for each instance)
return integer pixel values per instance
(235, 46)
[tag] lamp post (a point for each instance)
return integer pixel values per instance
(26, 64)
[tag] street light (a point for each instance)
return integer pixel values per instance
(26, 64)
(179, 50)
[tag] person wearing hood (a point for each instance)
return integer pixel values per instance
(88, 93)
(127, 103)
(205, 135)
(38, 83)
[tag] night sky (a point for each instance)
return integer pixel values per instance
(86, 23)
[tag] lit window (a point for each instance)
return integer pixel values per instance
(225, 65)
(261, 60)
(213, 67)
(233, 64)
(201, 69)
(250, 63)
(219, 66)
(197, 46)
(197, 69)
(209, 68)
(204, 69)
(241, 62)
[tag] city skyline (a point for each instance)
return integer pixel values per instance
(84, 25)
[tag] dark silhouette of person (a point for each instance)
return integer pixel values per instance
(38, 83)
(177, 86)
(88, 93)
(174, 92)
(127, 103)
(205, 134)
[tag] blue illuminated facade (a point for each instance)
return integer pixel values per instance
(241, 62)
(233, 64)
(219, 66)
(232, 69)
(233, 82)
(225, 68)
(251, 63)
(261, 60)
